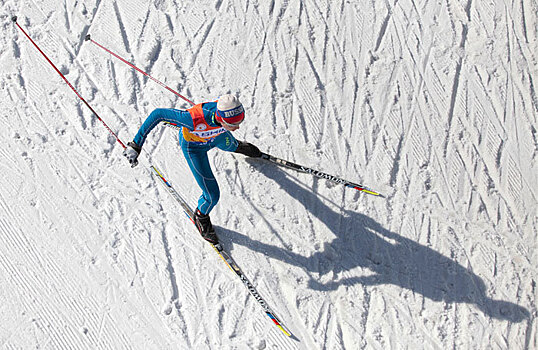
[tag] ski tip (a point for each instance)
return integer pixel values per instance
(377, 194)
(365, 190)
(88, 37)
(14, 19)
(285, 331)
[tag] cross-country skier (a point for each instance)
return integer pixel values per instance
(204, 126)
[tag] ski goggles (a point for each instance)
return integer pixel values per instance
(231, 124)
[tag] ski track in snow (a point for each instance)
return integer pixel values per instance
(432, 103)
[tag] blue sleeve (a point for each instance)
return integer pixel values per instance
(226, 142)
(174, 116)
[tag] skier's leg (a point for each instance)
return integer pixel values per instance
(199, 164)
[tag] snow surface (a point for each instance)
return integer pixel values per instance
(433, 103)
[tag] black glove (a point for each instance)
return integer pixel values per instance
(131, 152)
(248, 149)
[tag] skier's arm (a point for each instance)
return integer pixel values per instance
(174, 116)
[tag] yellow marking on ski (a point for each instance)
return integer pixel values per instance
(284, 331)
(157, 171)
(222, 257)
(371, 192)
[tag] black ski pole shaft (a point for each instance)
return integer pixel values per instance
(14, 19)
(319, 174)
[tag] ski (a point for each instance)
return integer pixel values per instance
(319, 174)
(230, 262)
(303, 169)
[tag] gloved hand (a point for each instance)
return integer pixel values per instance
(248, 149)
(131, 152)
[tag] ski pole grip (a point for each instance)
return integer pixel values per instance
(88, 37)
(14, 18)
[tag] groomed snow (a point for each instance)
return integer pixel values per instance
(433, 103)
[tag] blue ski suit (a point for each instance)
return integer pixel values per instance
(200, 133)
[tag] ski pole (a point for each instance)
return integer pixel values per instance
(14, 19)
(88, 38)
(319, 174)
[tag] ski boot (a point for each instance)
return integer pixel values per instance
(203, 223)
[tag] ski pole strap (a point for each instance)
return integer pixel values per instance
(319, 174)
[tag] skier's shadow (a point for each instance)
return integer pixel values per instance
(390, 258)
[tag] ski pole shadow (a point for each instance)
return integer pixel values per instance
(393, 259)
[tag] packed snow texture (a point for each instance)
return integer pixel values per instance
(433, 103)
